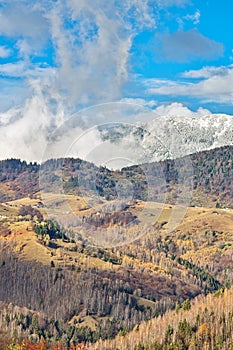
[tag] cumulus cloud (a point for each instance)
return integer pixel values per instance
(178, 109)
(185, 46)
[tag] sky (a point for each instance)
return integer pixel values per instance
(58, 57)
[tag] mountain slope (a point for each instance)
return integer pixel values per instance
(205, 324)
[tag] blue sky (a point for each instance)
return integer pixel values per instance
(188, 56)
(59, 56)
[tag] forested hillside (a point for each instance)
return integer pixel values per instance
(210, 172)
(204, 324)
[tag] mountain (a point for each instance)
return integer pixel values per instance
(169, 137)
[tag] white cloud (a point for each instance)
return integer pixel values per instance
(93, 53)
(195, 17)
(9, 116)
(25, 131)
(94, 70)
(140, 102)
(22, 69)
(20, 19)
(13, 69)
(206, 72)
(214, 88)
(4, 52)
(178, 109)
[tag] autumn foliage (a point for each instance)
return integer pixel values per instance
(41, 345)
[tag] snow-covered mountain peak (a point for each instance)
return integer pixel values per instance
(171, 136)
